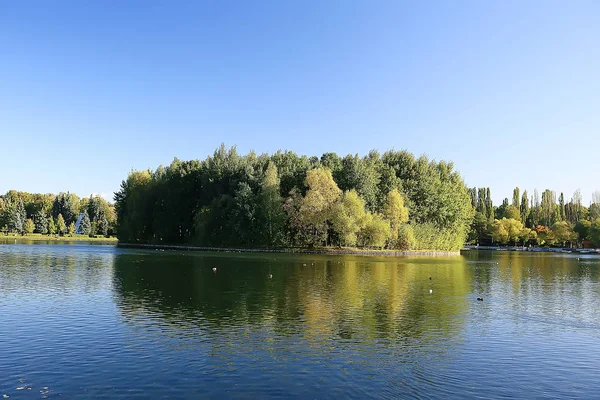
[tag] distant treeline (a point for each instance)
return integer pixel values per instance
(392, 201)
(533, 219)
(26, 213)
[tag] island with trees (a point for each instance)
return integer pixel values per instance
(284, 200)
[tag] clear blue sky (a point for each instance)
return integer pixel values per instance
(508, 90)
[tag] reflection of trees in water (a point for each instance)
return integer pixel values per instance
(313, 297)
(59, 268)
(538, 284)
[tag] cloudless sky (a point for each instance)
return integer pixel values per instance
(508, 90)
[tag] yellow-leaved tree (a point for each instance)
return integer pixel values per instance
(349, 217)
(318, 204)
(395, 212)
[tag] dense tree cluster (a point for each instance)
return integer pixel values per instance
(537, 220)
(26, 213)
(392, 200)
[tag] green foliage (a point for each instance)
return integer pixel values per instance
(317, 207)
(40, 220)
(512, 212)
(61, 226)
(64, 204)
(406, 238)
(290, 200)
(376, 231)
(582, 228)
(85, 227)
(595, 232)
(349, 217)
(508, 230)
(429, 236)
(51, 225)
(28, 226)
(71, 228)
(563, 232)
(395, 212)
(271, 216)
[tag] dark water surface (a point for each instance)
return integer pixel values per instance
(81, 321)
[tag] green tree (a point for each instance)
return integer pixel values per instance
(582, 228)
(516, 198)
(51, 225)
(349, 217)
(71, 229)
(395, 212)
(376, 231)
(524, 210)
(271, 213)
(85, 226)
(563, 232)
(406, 238)
(40, 219)
(317, 206)
(64, 204)
(595, 233)
(61, 226)
(512, 212)
(28, 226)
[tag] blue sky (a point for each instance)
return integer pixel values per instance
(508, 90)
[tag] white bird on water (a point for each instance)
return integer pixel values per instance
(214, 269)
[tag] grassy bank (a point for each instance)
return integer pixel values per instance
(37, 237)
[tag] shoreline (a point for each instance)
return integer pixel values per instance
(333, 251)
(532, 249)
(37, 238)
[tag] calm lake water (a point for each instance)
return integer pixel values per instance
(81, 321)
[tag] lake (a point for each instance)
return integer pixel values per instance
(90, 321)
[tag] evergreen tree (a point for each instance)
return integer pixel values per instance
(85, 227)
(51, 225)
(28, 226)
(71, 229)
(40, 219)
(61, 227)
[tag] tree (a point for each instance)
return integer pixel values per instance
(376, 231)
(51, 226)
(349, 217)
(582, 228)
(395, 212)
(508, 230)
(595, 232)
(318, 204)
(71, 229)
(524, 207)
(61, 227)
(28, 226)
(512, 212)
(85, 226)
(40, 219)
(102, 226)
(16, 216)
(516, 197)
(563, 232)
(271, 213)
(406, 238)
(64, 204)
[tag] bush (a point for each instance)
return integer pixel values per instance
(406, 238)
(430, 237)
